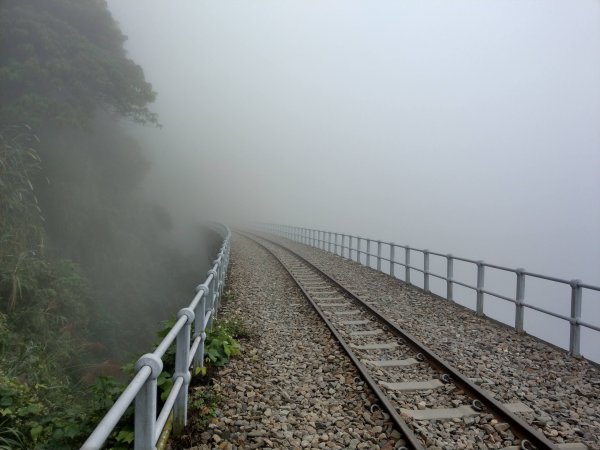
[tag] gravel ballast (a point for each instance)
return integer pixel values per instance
(562, 391)
(293, 386)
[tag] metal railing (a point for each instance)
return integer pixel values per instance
(336, 243)
(143, 387)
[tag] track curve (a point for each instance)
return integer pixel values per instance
(319, 288)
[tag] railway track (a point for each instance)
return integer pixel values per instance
(403, 372)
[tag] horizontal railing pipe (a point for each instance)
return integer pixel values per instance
(169, 338)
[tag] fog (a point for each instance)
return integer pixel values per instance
(465, 127)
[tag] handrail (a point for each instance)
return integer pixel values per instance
(338, 244)
(143, 388)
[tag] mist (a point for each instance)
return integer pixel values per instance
(465, 127)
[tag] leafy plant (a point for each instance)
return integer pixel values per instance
(204, 402)
(10, 438)
(220, 346)
(235, 326)
(21, 231)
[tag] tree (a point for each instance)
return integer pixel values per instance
(62, 60)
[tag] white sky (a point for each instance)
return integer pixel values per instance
(469, 127)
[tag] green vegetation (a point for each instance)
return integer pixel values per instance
(62, 60)
(86, 268)
(222, 343)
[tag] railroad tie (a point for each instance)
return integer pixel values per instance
(347, 313)
(366, 333)
(355, 322)
(411, 386)
(440, 413)
(333, 305)
(456, 413)
(331, 298)
(376, 346)
(392, 362)
(572, 446)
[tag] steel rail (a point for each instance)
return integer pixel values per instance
(324, 240)
(519, 426)
(402, 425)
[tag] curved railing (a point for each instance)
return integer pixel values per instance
(348, 246)
(143, 387)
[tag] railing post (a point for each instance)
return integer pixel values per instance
(212, 290)
(335, 246)
(343, 244)
(449, 276)
(350, 238)
(426, 270)
(480, 283)
(358, 249)
(519, 297)
(368, 252)
(199, 331)
(407, 262)
(215, 292)
(392, 259)
(221, 270)
(575, 338)
(329, 242)
(182, 354)
(314, 240)
(145, 404)
(379, 256)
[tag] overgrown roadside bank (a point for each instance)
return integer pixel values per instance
(292, 386)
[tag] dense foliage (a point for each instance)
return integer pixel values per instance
(64, 59)
(87, 270)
